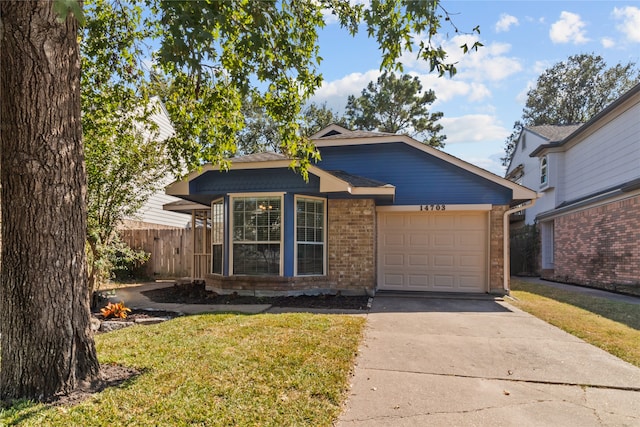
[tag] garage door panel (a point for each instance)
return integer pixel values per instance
(433, 251)
(443, 221)
(419, 281)
(394, 281)
(447, 261)
(444, 240)
(469, 261)
(394, 260)
(419, 260)
(391, 221)
(468, 282)
(394, 239)
(442, 282)
(419, 240)
(470, 222)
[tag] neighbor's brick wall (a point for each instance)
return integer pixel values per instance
(496, 248)
(599, 247)
(351, 244)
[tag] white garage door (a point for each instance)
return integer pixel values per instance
(433, 251)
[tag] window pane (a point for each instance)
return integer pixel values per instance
(256, 235)
(256, 259)
(310, 259)
(310, 236)
(216, 256)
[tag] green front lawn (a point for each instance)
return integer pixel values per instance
(218, 369)
(611, 325)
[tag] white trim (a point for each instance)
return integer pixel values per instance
(269, 194)
(519, 192)
(231, 241)
(218, 201)
(295, 235)
(326, 130)
(387, 190)
(448, 208)
(600, 200)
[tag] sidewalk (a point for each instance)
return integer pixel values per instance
(582, 290)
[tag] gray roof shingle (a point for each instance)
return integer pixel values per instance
(553, 133)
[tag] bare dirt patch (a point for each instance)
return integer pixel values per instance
(190, 295)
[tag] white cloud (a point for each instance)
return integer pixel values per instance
(630, 22)
(607, 42)
(505, 22)
(540, 67)
(447, 89)
(473, 128)
(335, 93)
(489, 63)
(330, 18)
(568, 29)
(521, 97)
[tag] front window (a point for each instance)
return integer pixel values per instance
(544, 171)
(257, 235)
(217, 235)
(310, 227)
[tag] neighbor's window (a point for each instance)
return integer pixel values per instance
(257, 235)
(544, 171)
(310, 229)
(217, 236)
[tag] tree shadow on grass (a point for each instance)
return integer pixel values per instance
(18, 411)
(618, 311)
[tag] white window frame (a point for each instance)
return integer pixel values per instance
(217, 231)
(232, 197)
(544, 172)
(324, 235)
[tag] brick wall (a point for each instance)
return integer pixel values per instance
(599, 247)
(351, 244)
(496, 249)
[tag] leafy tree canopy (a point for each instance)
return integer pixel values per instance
(396, 105)
(214, 52)
(572, 92)
(260, 132)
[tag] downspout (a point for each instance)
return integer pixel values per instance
(505, 243)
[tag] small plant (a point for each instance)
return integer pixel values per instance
(115, 310)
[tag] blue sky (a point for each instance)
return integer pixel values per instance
(521, 39)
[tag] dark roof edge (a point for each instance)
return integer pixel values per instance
(626, 187)
(615, 104)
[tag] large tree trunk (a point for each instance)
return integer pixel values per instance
(47, 346)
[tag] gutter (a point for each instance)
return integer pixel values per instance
(505, 243)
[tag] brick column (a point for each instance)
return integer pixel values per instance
(496, 249)
(351, 244)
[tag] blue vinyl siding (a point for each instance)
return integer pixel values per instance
(289, 233)
(216, 183)
(419, 178)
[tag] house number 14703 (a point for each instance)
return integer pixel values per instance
(433, 207)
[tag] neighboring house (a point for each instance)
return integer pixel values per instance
(161, 233)
(589, 213)
(379, 212)
(151, 214)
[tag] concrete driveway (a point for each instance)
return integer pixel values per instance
(461, 362)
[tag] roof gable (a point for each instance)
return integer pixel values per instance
(354, 139)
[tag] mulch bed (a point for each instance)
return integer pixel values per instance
(176, 294)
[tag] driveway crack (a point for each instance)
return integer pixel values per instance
(515, 380)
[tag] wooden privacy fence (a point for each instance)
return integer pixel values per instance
(171, 250)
